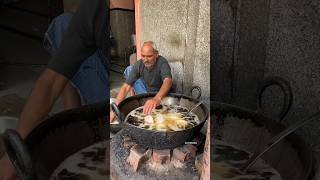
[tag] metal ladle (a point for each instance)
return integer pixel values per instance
(194, 107)
(275, 140)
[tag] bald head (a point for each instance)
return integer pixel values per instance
(150, 44)
(149, 54)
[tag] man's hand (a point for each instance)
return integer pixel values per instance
(153, 103)
(150, 105)
(7, 171)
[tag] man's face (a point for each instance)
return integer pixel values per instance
(149, 56)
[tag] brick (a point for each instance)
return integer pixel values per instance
(191, 151)
(161, 156)
(179, 154)
(185, 152)
(136, 157)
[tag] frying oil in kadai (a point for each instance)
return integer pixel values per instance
(164, 118)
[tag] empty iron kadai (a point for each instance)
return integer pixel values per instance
(238, 133)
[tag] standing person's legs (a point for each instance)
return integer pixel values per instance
(71, 97)
(53, 37)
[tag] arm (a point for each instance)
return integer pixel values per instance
(125, 88)
(43, 96)
(154, 102)
(84, 35)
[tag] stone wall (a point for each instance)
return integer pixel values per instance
(181, 32)
(293, 53)
(253, 40)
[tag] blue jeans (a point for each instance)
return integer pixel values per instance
(92, 78)
(139, 86)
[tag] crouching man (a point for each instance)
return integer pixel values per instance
(155, 73)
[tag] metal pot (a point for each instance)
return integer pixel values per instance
(250, 130)
(292, 158)
(157, 139)
(6, 122)
(114, 127)
(55, 139)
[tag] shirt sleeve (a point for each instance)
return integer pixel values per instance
(80, 40)
(134, 74)
(165, 71)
